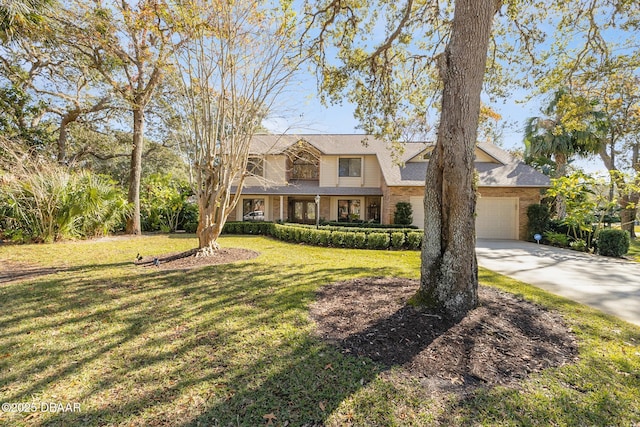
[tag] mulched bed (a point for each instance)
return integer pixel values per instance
(13, 271)
(188, 260)
(501, 342)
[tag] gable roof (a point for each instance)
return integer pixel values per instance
(397, 168)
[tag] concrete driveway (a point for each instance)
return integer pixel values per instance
(609, 284)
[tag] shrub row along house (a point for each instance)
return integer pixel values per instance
(357, 178)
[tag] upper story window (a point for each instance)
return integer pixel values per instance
(255, 166)
(350, 167)
(304, 166)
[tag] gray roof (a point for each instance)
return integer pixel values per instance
(489, 175)
(397, 169)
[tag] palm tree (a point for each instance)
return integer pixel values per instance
(21, 17)
(553, 138)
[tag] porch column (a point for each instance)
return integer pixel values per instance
(281, 208)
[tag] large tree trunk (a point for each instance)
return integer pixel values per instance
(208, 231)
(561, 170)
(66, 120)
(135, 171)
(215, 202)
(629, 212)
(62, 141)
(210, 224)
(449, 274)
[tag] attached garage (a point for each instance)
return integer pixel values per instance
(497, 218)
(505, 188)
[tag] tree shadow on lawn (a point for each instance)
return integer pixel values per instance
(228, 344)
(18, 271)
(373, 330)
(236, 336)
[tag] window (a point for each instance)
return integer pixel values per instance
(305, 167)
(350, 167)
(253, 210)
(348, 210)
(255, 166)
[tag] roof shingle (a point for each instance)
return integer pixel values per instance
(396, 168)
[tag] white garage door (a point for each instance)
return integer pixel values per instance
(497, 218)
(417, 209)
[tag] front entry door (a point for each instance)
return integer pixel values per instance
(302, 211)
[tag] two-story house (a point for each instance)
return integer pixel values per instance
(357, 177)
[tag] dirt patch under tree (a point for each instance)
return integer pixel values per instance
(501, 342)
(11, 271)
(188, 260)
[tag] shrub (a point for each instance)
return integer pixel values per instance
(613, 242)
(558, 226)
(265, 228)
(579, 245)
(162, 199)
(313, 236)
(397, 240)
(46, 203)
(189, 218)
(231, 228)
(337, 238)
(360, 240)
(279, 231)
(307, 236)
(284, 233)
(414, 240)
(378, 240)
(349, 240)
(259, 228)
(556, 239)
(323, 237)
(372, 225)
(538, 219)
(403, 214)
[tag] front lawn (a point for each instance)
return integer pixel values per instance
(634, 247)
(233, 345)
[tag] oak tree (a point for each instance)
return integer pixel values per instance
(390, 58)
(131, 44)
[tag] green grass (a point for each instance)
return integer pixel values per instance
(634, 248)
(231, 344)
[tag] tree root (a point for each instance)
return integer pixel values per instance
(207, 251)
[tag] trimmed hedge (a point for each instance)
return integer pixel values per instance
(378, 240)
(414, 240)
(365, 225)
(339, 237)
(613, 242)
(246, 227)
(397, 240)
(360, 240)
